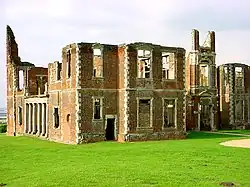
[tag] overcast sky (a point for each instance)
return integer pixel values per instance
(43, 27)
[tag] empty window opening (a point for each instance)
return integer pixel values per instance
(40, 81)
(226, 78)
(144, 112)
(98, 63)
(68, 118)
(20, 115)
(68, 64)
(169, 113)
(168, 65)
(58, 71)
(204, 75)
(56, 117)
(239, 110)
(205, 115)
(144, 63)
(21, 79)
(239, 81)
(110, 129)
(97, 109)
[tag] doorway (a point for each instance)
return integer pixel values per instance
(205, 118)
(110, 129)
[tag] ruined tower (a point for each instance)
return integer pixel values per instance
(201, 83)
(234, 97)
(13, 60)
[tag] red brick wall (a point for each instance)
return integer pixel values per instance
(32, 78)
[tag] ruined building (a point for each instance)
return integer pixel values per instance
(129, 92)
(201, 85)
(98, 92)
(26, 93)
(234, 95)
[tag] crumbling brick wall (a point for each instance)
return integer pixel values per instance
(201, 83)
(155, 88)
(62, 95)
(75, 90)
(104, 87)
(33, 76)
(230, 92)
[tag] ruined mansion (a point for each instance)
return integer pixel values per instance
(129, 92)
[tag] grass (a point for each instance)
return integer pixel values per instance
(236, 131)
(196, 161)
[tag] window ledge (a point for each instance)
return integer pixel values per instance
(169, 128)
(144, 129)
(146, 79)
(97, 120)
(169, 80)
(97, 78)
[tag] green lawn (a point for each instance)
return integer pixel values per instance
(236, 131)
(197, 161)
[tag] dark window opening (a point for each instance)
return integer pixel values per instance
(58, 73)
(56, 117)
(68, 117)
(37, 85)
(97, 109)
(145, 101)
(144, 113)
(68, 64)
(20, 115)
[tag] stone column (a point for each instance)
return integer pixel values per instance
(30, 118)
(34, 119)
(43, 119)
(199, 117)
(38, 118)
(26, 118)
(212, 119)
(46, 120)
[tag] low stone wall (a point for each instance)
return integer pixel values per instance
(240, 126)
(90, 137)
(152, 136)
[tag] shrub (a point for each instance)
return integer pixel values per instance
(3, 128)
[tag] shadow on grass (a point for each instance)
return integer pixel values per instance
(207, 135)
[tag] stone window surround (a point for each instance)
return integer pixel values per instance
(97, 46)
(243, 108)
(68, 64)
(208, 62)
(115, 123)
(242, 71)
(145, 48)
(101, 107)
(58, 72)
(163, 110)
(151, 112)
(175, 65)
(54, 107)
(20, 115)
